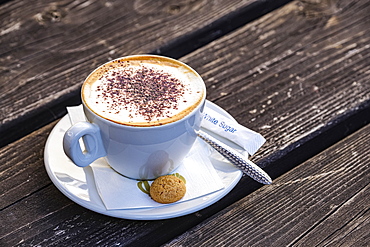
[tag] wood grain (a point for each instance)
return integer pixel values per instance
(323, 202)
(49, 47)
(22, 172)
(289, 75)
(34, 212)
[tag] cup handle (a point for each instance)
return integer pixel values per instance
(90, 134)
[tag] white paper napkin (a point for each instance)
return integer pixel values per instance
(119, 192)
(123, 193)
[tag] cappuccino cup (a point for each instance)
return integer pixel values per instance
(143, 113)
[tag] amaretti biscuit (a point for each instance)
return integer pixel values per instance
(167, 189)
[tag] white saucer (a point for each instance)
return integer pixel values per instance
(78, 183)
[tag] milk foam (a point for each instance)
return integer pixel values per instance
(143, 92)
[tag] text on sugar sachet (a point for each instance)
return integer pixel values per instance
(222, 124)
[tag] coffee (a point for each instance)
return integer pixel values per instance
(143, 91)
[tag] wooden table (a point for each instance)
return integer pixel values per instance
(298, 72)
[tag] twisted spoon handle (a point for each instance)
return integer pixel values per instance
(247, 166)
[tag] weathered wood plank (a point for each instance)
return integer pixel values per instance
(48, 218)
(33, 212)
(292, 76)
(269, 82)
(21, 169)
(323, 202)
(49, 47)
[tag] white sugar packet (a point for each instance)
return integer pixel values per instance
(124, 193)
(229, 129)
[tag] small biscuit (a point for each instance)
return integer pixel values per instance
(167, 189)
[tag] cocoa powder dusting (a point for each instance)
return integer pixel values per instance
(151, 93)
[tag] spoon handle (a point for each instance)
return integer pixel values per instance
(244, 164)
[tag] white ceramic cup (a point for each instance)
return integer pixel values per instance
(136, 152)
